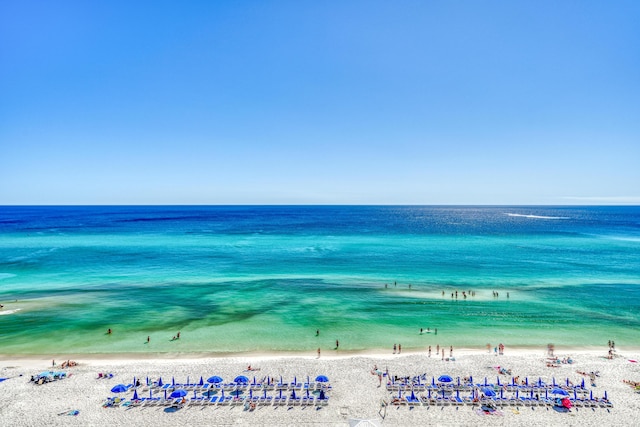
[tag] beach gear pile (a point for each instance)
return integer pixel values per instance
(48, 376)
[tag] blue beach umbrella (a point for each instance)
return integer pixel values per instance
(591, 395)
(165, 394)
(559, 391)
(147, 381)
(485, 381)
(498, 380)
(160, 382)
(433, 381)
(135, 395)
(173, 381)
(150, 393)
(488, 392)
(322, 379)
(241, 379)
(582, 384)
(120, 388)
(445, 379)
(178, 393)
(201, 382)
(214, 379)
(188, 380)
(605, 395)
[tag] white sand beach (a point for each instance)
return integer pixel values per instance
(354, 392)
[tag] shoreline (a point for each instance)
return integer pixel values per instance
(97, 359)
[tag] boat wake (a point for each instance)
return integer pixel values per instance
(536, 216)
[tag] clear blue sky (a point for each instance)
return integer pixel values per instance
(316, 102)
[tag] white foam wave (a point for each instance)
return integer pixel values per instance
(536, 216)
(5, 312)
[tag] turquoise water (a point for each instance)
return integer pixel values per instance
(264, 278)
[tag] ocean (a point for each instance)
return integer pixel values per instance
(266, 278)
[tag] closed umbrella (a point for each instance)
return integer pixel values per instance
(201, 382)
(160, 382)
(135, 395)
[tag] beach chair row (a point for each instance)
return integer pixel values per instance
(497, 402)
(239, 386)
(230, 401)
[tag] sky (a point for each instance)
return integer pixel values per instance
(320, 102)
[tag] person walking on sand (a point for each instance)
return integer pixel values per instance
(451, 351)
(148, 339)
(178, 336)
(337, 344)
(318, 352)
(399, 348)
(394, 349)
(429, 351)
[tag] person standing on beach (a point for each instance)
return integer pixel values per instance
(394, 349)
(443, 353)
(317, 332)
(178, 336)
(53, 362)
(437, 348)
(337, 344)
(318, 352)
(148, 339)
(429, 351)
(451, 351)
(399, 348)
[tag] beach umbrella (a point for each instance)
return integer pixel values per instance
(241, 379)
(293, 394)
(582, 385)
(321, 395)
(280, 396)
(178, 393)
(546, 393)
(250, 394)
(531, 394)
(173, 381)
(485, 381)
(188, 380)
(194, 394)
(457, 394)
(147, 381)
(605, 395)
(498, 380)
(433, 381)
(165, 394)
(567, 381)
(554, 381)
(160, 382)
(322, 379)
(559, 391)
(238, 392)
(526, 381)
(134, 381)
(517, 393)
(295, 380)
(307, 393)
(445, 379)
(135, 395)
(413, 396)
(429, 393)
(201, 383)
(264, 393)
(458, 381)
(471, 379)
(120, 388)
(539, 382)
(214, 379)
(488, 392)
(150, 393)
(513, 381)
(501, 393)
(575, 395)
